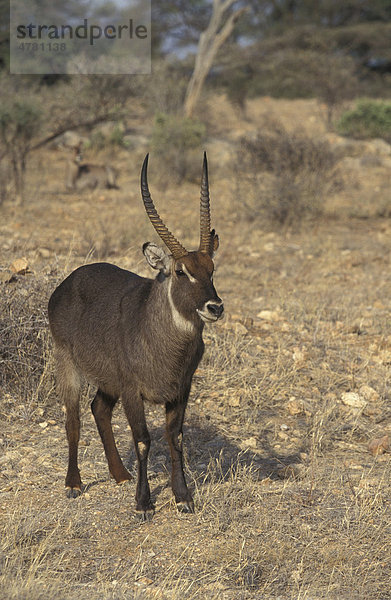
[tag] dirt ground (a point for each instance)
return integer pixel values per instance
(294, 385)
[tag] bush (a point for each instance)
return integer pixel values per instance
(112, 135)
(24, 340)
(368, 120)
(20, 121)
(284, 176)
(175, 138)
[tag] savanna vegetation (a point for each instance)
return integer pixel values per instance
(287, 429)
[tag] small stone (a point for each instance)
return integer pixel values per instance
(269, 247)
(240, 329)
(249, 443)
(299, 356)
(20, 266)
(368, 393)
(6, 276)
(143, 581)
(353, 399)
(379, 445)
(234, 401)
(44, 252)
(269, 315)
(295, 406)
(292, 471)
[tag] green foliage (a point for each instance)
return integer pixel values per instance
(172, 130)
(19, 122)
(99, 140)
(116, 138)
(174, 138)
(368, 119)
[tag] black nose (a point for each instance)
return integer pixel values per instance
(216, 309)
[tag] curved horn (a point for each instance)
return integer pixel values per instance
(205, 210)
(171, 242)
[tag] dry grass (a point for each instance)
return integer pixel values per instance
(290, 503)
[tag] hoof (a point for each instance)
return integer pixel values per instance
(72, 492)
(186, 506)
(145, 515)
(123, 481)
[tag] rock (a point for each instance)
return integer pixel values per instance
(44, 252)
(269, 315)
(368, 393)
(353, 399)
(371, 161)
(292, 471)
(379, 445)
(133, 141)
(249, 443)
(295, 406)
(69, 139)
(234, 401)
(379, 147)
(6, 276)
(239, 328)
(20, 266)
(300, 356)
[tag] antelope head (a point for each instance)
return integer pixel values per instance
(191, 292)
(78, 153)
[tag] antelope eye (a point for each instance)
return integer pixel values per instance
(180, 273)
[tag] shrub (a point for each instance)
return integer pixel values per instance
(368, 119)
(24, 339)
(284, 176)
(174, 138)
(19, 123)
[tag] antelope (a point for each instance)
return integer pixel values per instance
(82, 176)
(136, 339)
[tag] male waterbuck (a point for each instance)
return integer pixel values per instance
(136, 339)
(84, 175)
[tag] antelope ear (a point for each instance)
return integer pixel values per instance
(214, 239)
(157, 258)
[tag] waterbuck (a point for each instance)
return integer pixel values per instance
(83, 175)
(136, 339)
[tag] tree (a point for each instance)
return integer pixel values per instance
(220, 27)
(25, 127)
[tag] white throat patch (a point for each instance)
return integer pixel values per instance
(180, 322)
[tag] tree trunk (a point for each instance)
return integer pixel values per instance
(211, 40)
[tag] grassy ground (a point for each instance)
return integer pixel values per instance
(290, 504)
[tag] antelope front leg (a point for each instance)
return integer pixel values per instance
(175, 412)
(134, 410)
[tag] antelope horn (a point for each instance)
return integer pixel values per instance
(205, 236)
(176, 249)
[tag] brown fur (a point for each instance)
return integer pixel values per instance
(136, 339)
(82, 176)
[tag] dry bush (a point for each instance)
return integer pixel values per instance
(26, 372)
(284, 177)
